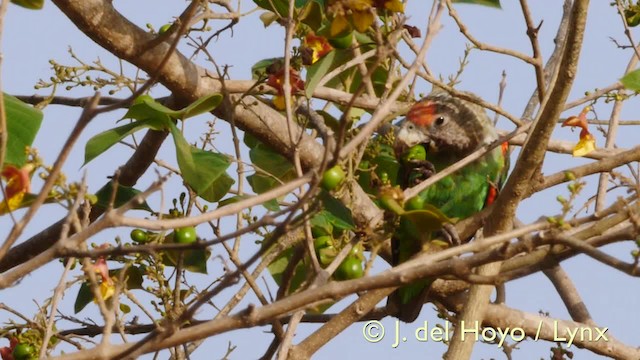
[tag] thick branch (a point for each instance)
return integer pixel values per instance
(529, 162)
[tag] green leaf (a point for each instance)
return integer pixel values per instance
(312, 14)
(148, 108)
(268, 18)
(23, 123)
(232, 200)
(193, 260)
(84, 297)
(196, 260)
(125, 308)
(203, 105)
(200, 168)
(317, 71)
(123, 195)
(267, 159)
(106, 139)
(631, 81)
(279, 266)
(133, 276)
(320, 224)
(336, 213)
(280, 7)
(428, 220)
(261, 183)
(259, 69)
(218, 189)
(29, 4)
(489, 3)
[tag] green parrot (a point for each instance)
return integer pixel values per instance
(439, 131)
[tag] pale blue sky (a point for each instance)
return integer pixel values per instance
(31, 38)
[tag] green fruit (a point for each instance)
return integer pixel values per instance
(351, 268)
(324, 249)
(318, 231)
(356, 252)
(185, 235)
(415, 203)
(139, 236)
(416, 152)
(322, 242)
(164, 28)
(332, 178)
(342, 42)
(23, 352)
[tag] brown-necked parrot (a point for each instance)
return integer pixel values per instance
(449, 129)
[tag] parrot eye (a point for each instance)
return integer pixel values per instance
(439, 121)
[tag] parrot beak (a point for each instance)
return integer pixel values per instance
(407, 137)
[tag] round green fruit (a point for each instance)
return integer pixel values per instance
(322, 242)
(139, 236)
(23, 352)
(185, 235)
(415, 203)
(318, 231)
(350, 268)
(356, 252)
(332, 178)
(416, 152)
(164, 28)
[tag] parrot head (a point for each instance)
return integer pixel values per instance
(445, 124)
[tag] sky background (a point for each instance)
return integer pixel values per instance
(31, 38)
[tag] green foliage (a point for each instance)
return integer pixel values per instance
(317, 71)
(204, 171)
(259, 69)
(29, 4)
(123, 195)
(23, 123)
(279, 266)
(631, 80)
(489, 3)
(266, 160)
(336, 213)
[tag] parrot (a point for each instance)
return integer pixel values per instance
(448, 129)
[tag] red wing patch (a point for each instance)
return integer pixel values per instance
(422, 113)
(492, 194)
(505, 148)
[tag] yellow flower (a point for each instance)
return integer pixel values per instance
(360, 5)
(587, 142)
(279, 102)
(586, 145)
(107, 289)
(362, 20)
(339, 25)
(394, 5)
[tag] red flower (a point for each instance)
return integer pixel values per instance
(18, 183)
(317, 46)
(7, 352)
(276, 81)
